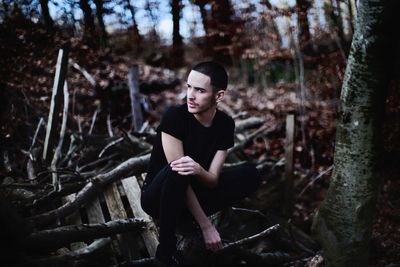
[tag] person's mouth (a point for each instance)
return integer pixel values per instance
(192, 105)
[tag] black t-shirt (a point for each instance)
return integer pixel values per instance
(199, 142)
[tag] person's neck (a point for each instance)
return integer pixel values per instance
(206, 117)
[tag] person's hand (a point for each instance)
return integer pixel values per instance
(186, 166)
(212, 240)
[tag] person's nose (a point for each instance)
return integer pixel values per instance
(190, 94)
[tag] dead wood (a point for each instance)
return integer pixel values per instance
(136, 165)
(249, 239)
(61, 236)
(248, 123)
(69, 258)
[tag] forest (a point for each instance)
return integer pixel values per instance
(313, 90)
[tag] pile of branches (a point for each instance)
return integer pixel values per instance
(83, 164)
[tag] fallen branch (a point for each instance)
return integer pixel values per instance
(84, 72)
(61, 236)
(249, 239)
(251, 122)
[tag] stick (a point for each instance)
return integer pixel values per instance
(61, 72)
(289, 164)
(41, 121)
(137, 116)
(93, 121)
(119, 140)
(83, 71)
(109, 127)
(56, 182)
(249, 239)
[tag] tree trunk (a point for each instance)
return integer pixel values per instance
(177, 51)
(87, 18)
(137, 39)
(304, 28)
(205, 21)
(221, 30)
(46, 15)
(343, 223)
(99, 15)
(351, 17)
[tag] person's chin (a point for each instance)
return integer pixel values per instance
(192, 109)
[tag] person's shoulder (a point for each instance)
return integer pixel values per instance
(175, 110)
(224, 118)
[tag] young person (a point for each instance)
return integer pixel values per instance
(185, 175)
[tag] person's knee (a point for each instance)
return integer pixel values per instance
(175, 177)
(253, 177)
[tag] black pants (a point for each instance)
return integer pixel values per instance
(164, 197)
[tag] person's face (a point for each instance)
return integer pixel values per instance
(200, 94)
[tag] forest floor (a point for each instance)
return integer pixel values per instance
(25, 98)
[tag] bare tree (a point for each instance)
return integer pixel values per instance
(99, 14)
(44, 5)
(87, 18)
(177, 50)
(304, 35)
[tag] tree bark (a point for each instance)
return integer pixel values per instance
(46, 15)
(177, 51)
(304, 27)
(343, 223)
(87, 18)
(99, 15)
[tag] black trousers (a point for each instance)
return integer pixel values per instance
(164, 197)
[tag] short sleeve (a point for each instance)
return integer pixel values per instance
(171, 123)
(226, 140)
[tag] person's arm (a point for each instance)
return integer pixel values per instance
(211, 237)
(187, 166)
(173, 149)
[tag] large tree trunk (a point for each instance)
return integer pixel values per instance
(46, 15)
(177, 51)
(343, 223)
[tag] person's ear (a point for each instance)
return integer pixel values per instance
(219, 95)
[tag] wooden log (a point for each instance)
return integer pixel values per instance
(63, 235)
(94, 212)
(136, 111)
(73, 219)
(289, 144)
(251, 122)
(127, 244)
(150, 235)
(52, 121)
